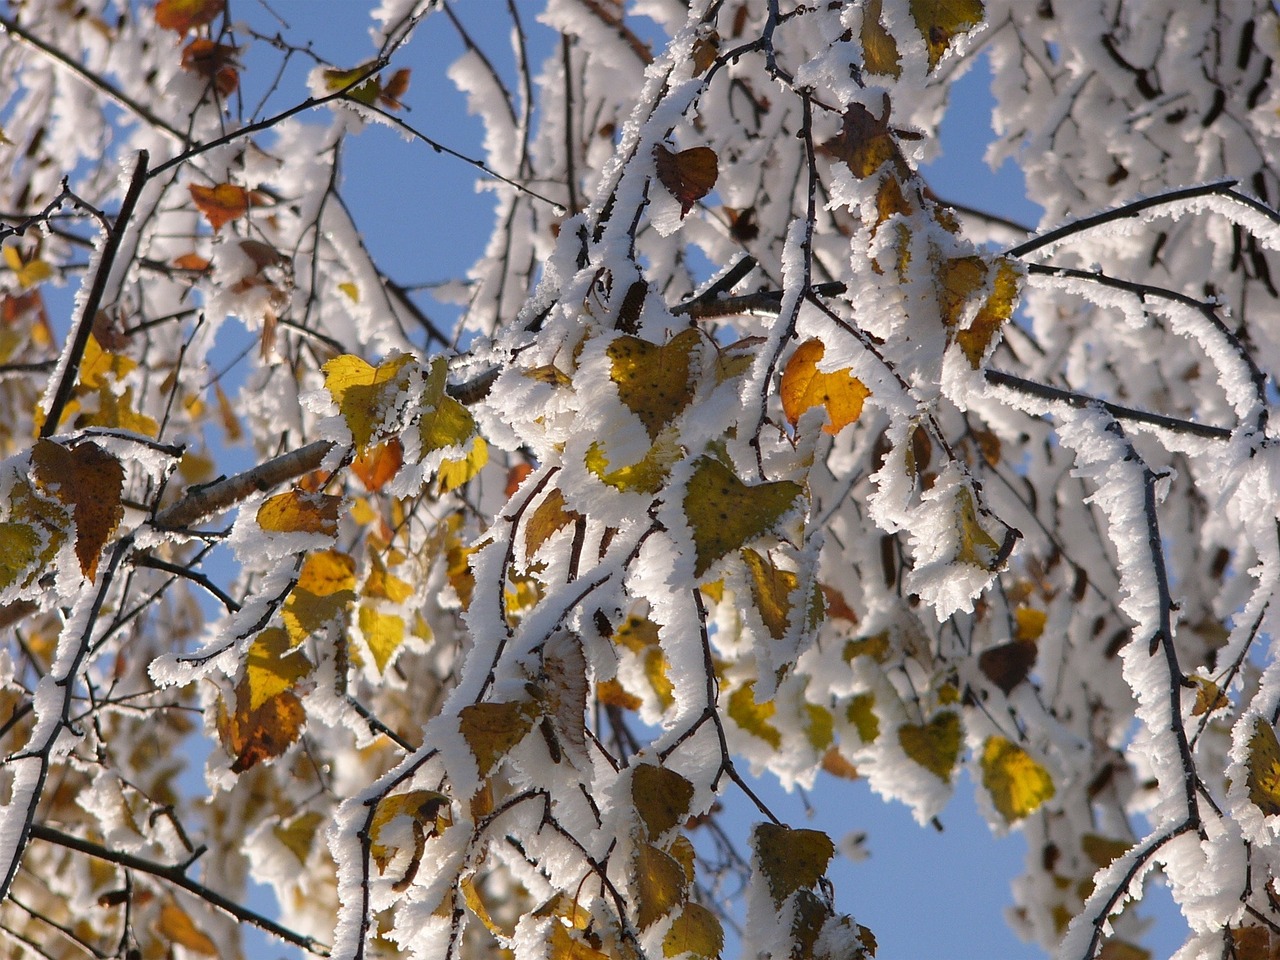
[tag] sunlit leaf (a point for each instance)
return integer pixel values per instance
(324, 592)
(661, 797)
(177, 927)
(879, 51)
(646, 476)
(366, 396)
(375, 466)
(30, 271)
(934, 745)
(659, 884)
(689, 174)
(547, 519)
(493, 729)
(790, 860)
(725, 514)
(976, 339)
(754, 717)
(454, 473)
(221, 203)
(1017, 783)
(19, 550)
(958, 279)
(1209, 697)
(771, 589)
(383, 633)
(1263, 767)
(976, 545)
(298, 511)
(182, 16)
(430, 809)
(941, 21)
(804, 386)
(263, 733)
(653, 380)
(696, 933)
(214, 61)
(90, 481)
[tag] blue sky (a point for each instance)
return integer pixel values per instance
(926, 894)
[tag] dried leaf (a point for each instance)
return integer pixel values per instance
(90, 481)
(492, 730)
(547, 519)
(941, 21)
(725, 514)
(879, 51)
(375, 466)
(661, 797)
(429, 808)
(689, 174)
(1209, 697)
(865, 142)
(1008, 664)
(221, 203)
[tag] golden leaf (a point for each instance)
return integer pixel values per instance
(548, 518)
(653, 381)
(298, 833)
(298, 511)
(221, 203)
(1017, 783)
(493, 729)
(365, 395)
(176, 926)
(861, 712)
(325, 589)
(430, 809)
(976, 338)
(1209, 697)
(725, 514)
(659, 884)
(879, 51)
(30, 271)
(376, 465)
(182, 16)
(1264, 768)
(689, 174)
(454, 473)
(865, 142)
(958, 279)
(804, 386)
(754, 717)
(934, 745)
(771, 590)
(696, 932)
(383, 633)
(661, 797)
(645, 476)
(272, 666)
(90, 481)
(252, 736)
(973, 537)
(790, 860)
(941, 21)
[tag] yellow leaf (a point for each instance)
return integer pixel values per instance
(117, 412)
(221, 203)
(661, 797)
(612, 694)
(366, 396)
(177, 927)
(656, 672)
(325, 588)
(1029, 623)
(877, 646)
(659, 884)
(90, 481)
(299, 511)
(493, 729)
(19, 550)
(861, 712)
(879, 51)
(934, 745)
(454, 473)
(652, 380)
(1209, 697)
(564, 943)
(365, 91)
(430, 809)
(943, 20)
(804, 386)
(383, 632)
(976, 338)
(973, 537)
(689, 174)
(1264, 768)
(548, 518)
(790, 860)
(754, 717)
(30, 272)
(272, 666)
(646, 476)
(958, 279)
(381, 584)
(820, 728)
(351, 290)
(227, 413)
(696, 932)
(97, 365)
(725, 514)
(447, 424)
(1017, 783)
(471, 896)
(549, 373)
(298, 833)
(771, 590)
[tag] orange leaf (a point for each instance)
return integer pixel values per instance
(184, 15)
(221, 203)
(376, 465)
(263, 733)
(213, 61)
(689, 174)
(192, 261)
(297, 512)
(804, 386)
(395, 88)
(89, 480)
(177, 927)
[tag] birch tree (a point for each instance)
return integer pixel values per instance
(747, 452)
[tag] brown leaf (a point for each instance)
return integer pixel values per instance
(213, 61)
(1008, 664)
(90, 481)
(689, 174)
(220, 203)
(865, 142)
(182, 16)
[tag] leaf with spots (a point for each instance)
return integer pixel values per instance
(934, 745)
(653, 380)
(790, 860)
(90, 481)
(268, 716)
(725, 514)
(696, 933)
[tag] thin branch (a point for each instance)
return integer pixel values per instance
(176, 876)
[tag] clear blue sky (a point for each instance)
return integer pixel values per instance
(925, 894)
